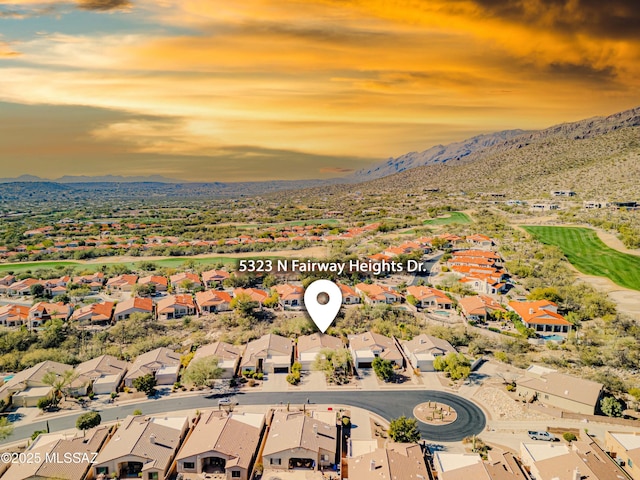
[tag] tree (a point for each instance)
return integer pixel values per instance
(59, 384)
(145, 383)
(383, 369)
(202, 372)
(412, 300)
(6, 428)
(455, 365)
(36, 290)
(88, 420)
(611, 407)
(144, 289)
(335, 364)
(243, 304)
(404, 430)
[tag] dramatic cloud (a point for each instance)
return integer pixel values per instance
(104, 5)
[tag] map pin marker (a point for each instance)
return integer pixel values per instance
(323, 314)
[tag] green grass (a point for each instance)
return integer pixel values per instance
(590, 255)
(296, 223)
(453, 217)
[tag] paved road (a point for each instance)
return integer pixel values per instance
(387, 404)
(428, 268)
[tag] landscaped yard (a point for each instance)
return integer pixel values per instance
(590, 255)
(449, 218)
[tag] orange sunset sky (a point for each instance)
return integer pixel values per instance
(208, 90)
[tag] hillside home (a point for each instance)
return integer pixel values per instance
(223, 444)
(561, 391)
(479, 308)
(625, 448)
(268, 354)
(309, 346)
(424, 349)
(13, 315)
(175, 306)
(228, 356)
(122, 283)
(376, 294)
(142, 447)
(159, 282)
(349, 295)
(480, 241)
(290, 295)
(299, 442)
(25, 388)
(22, 287)
(185, 281)
(365, 347)
(428, 297)
(125, 309)
(394, 461)
(101, 375)
(163, 363)
(254, 294)
(213, 301)
(43, 311)
(94, 314)
(94, 281)
(214, 278)
(542, 316)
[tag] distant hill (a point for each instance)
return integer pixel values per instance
(93, 179)
(484, 146)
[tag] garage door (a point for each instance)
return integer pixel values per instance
(364, 365)
(281, 370)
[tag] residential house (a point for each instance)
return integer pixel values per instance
(132, 305)
(101, 375)
(297, 441)
(582, 459)
(94, 314)
(309, 346)
(163, 363)
(480, 241)
(428, 297)
(122, 283)
(142, 447)
(228, 356)
(542, 316)
(625, 448)
(214, 278)
(562, 391)
(213, 301)
(479, 308)
(185, 281)
(255, 294)
(424, 349)
(56, 286)
(13, 315)
(485, 284)
(158, 281)
(22, 287)
(175, 306)
(25, 388)
(349, 295)
(59, 446)
(376, 294)
(222, 443)
(269, 354)
(365, 347)
(43, 311)
(290, 295)
(500, 465)
(94, 281)
(394, 461)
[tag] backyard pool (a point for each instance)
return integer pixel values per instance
(442, 313)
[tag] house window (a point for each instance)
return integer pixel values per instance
(630, 462)
(235, 474)
(546, 397)
(189, 465)
(153, 476)
(102, 470)
(275, 461)
(324, 458)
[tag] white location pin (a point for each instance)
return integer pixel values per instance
(323, 314)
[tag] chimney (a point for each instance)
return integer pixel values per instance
(152, 438)
(315, 429)
(531, 311)
(372, 466)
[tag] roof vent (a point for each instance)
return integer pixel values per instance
(152, 438)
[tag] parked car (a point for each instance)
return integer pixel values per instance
(546, 436)
(224, 402)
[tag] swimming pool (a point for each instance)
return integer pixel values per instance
(554, 338)
(442, 313)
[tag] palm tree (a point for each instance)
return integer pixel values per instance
(59, 383)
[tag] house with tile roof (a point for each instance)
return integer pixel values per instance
(13, 315)
(349, 295)
(625, 448)
(228, 356)
(428, 297)
(214, 278)
(222, 444)
(365, 347)
(162, 362)
(255, 294)
(43, 311)
(59, 446)
(213, 301)
(270, 353)
(424, 349)
(141, 447)
(290, 295)
(125, 309)
(25, 388)
(395, 461)
(298, 441)
(158, 281)
(500, 465)
(122, 283)
(309, 346)
(542, 316)
(376, 294)
(94, 314)
(175, 306)
(562, 391)
(101, 375)
(179, 280)
(479, 308)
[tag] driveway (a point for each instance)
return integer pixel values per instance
(275, 382)
(387, 404)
